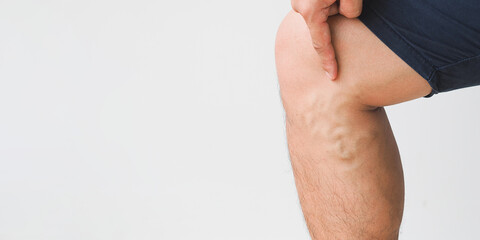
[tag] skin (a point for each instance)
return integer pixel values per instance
(315, 13)
(343, 152)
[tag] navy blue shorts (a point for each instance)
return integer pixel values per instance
(439, 39)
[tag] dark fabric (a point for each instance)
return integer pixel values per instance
(440, 39)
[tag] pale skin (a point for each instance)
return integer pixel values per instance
(315, 13)
(343, 152)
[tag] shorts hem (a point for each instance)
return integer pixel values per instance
(397, 43)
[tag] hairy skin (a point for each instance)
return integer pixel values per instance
(344, 156)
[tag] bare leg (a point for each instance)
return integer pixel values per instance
(345, 159)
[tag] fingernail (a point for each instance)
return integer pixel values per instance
(329, 75)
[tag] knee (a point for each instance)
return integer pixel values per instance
(303, 83)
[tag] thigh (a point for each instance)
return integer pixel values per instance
(369, 72)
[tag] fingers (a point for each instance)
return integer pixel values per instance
(333, 10)
(316, 16)
(350, 8)
(322, 42)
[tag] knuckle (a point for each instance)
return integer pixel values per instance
(300, 7)
(307, 13)
(322, 46)
(307, 10)
(319, 46)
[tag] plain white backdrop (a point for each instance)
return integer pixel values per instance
(162, 120)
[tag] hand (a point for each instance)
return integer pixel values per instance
(316, 13)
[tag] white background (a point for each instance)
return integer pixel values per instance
(162, 120)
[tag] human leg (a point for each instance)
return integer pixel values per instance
(345, 159)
